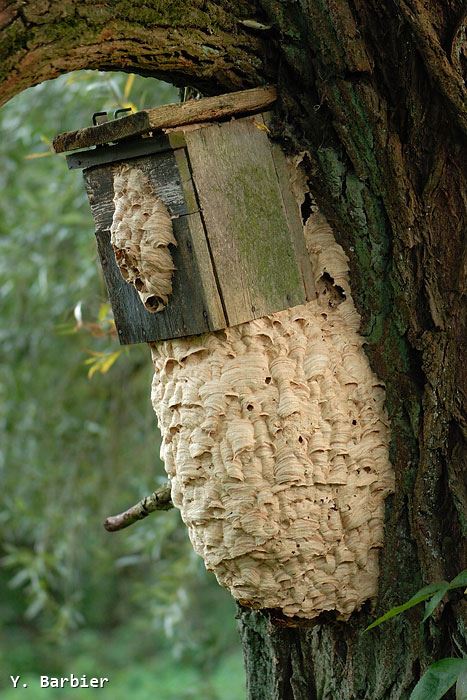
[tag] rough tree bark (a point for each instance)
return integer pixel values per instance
(373, 90)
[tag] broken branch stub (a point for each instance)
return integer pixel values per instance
(158, 500)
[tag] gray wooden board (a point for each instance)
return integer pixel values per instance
(190, 112)
(245, 218)
(131, 148)
(295, 222)
(186, 312)
(200, 247)
(114, 130)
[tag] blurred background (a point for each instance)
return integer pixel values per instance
(79, 441)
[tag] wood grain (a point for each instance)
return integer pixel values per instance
(167, 116)
(107, 132)
(202, 258)
(250, 237)
(125, 150)
(292, 212)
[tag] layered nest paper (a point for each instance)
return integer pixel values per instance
(275, 439)
(140, 234)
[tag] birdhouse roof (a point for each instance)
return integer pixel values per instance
(168, 116)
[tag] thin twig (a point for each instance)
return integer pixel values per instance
(159, 500)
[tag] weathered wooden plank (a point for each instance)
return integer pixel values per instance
(167, 116)
(201, 253)
(107, 132)
(164, 175)
(292, 211)
(202, 266)
(125, 150)
(186, 313)
(213, 108)
(245, 218)
(123, 297)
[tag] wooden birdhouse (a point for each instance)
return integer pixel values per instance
(197, 226)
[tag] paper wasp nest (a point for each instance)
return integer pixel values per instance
(141, 232)
(276, 442)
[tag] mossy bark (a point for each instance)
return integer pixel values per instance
(373, 91)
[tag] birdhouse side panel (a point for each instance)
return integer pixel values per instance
(133, 322)
(294, 219)
(247, 224)
(201, 253)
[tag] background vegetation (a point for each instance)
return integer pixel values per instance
(136, 606)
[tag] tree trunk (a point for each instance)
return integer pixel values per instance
(373, 92)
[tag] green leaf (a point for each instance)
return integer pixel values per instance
(104, 311)
(19, 578)
(42, 154)
(107, 363)
(433, 603)
(37, 605)
(427, 591)
(461, 685)
(421, 595)
(101, 362)
(460, 581)
(65, 329)
(128, 85)
(438, 678)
